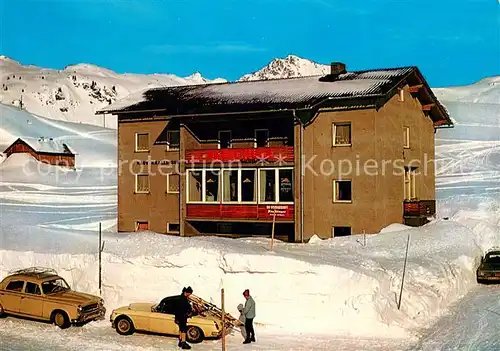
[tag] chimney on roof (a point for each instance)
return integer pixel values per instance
(337, 68)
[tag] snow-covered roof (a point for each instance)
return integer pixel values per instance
(46, 145)
(268, 91)
(360, 88)
(127, 101)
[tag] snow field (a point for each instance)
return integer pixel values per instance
(335, 287)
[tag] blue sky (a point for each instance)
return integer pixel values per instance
(453, 42)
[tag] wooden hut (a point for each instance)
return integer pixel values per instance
(46, 150)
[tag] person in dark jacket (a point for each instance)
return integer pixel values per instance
(183, 310)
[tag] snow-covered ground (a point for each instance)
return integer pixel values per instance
(333, 293)
(471, 324)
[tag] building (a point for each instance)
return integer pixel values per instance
(46, 150)
(226, 158)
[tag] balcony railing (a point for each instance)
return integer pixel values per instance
(240, 211)
(264, 155)
(419, 208)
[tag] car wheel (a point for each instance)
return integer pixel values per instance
(124, 326)
(60, 319)
(2, 312)
(194, 335)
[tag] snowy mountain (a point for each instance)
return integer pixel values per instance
(76, 92)
(485, 91)
(288, 67)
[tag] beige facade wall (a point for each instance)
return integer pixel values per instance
(374, 163)
(158, 207)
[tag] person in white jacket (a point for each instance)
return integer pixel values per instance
(249, 313)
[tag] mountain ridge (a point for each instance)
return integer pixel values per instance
(76, 92)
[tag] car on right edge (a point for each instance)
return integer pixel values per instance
(489, 269)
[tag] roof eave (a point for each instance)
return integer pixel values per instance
(444, 119)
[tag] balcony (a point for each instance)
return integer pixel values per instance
(264, 155)
(283, 213)
(415, 212)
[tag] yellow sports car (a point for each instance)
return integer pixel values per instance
(147, 318)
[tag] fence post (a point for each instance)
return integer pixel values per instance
(100, 267)
(272, 233)
(404, 270)
(223, 320)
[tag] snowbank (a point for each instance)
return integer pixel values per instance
(332, 287)
(394, 227)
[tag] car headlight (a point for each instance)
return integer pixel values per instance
(80, 308)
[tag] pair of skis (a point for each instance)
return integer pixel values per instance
(203, 306)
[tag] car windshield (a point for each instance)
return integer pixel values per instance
(54, 286)
(493, 258)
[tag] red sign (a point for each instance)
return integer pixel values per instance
(224, 211)
(278, 210)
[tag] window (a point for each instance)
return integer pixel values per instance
(285, 185)
(341, 134)
(173, 183)
(32, 288)
(276, 185)
(261, 137)
(173, 228)
(267, 185)
(248, 185)
(16, 285)
(140, 226)
(341, 231)
(342, 191)
(194, 184)
(173, 140)
(231, 188)
(54, 286)
(141, 142)
(409, 184)
(225, 139)
(212, 188)
(142, 183)
(406, 137)
(240, 185)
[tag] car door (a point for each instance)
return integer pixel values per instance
(11, 296)
(163, 323)
(32, 300)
